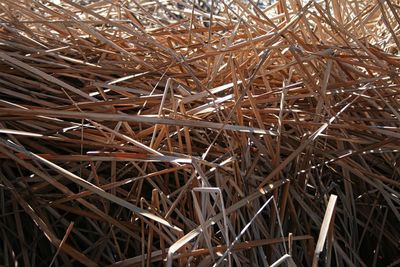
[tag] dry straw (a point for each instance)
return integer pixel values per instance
(181, 133)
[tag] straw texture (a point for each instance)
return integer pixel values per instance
(199, 133)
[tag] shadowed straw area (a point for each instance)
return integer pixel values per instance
(199, 133)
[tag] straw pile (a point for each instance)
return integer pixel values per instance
(181, 133)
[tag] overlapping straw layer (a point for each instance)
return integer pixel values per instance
(138, 133)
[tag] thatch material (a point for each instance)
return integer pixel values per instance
(159, 132)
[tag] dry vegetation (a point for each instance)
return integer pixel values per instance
(138, 133)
